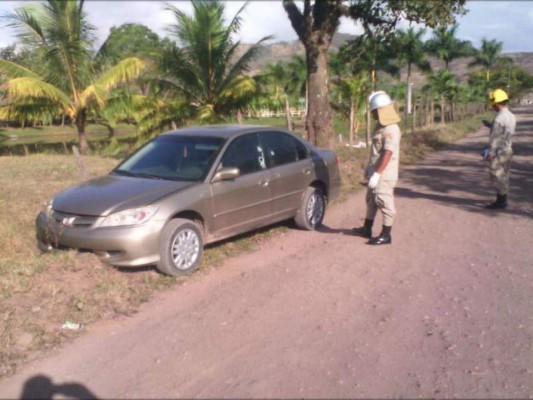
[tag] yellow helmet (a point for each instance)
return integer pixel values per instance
(497, 96)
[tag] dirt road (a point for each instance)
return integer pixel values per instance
(443, 312)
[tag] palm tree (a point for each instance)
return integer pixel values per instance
(446, 46)
(278, 77)
(444, 84)
(369, 54)
(298, 77)
(488, 56)
(411, 52)
(63, 79)
(349, 91)
(206, 73)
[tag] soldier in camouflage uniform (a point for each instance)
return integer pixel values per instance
(382, 168)
(499, 151)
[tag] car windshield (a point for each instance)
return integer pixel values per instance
(187, 158)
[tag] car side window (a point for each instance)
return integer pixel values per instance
(244, 153)
(282, 148)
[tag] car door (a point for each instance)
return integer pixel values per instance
(243, 203)
(291, 171)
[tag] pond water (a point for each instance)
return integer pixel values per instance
(61, 144)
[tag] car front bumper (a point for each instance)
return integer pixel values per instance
(120, 246)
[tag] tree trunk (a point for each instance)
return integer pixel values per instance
(409, 93)
(111, 131)
(239, 117)
(318, 121)
(413, 121)
(425, 120)
(442, 110)
(352, 117)
(288, 118)
(315, 27)
(452, 111)
(81, 121)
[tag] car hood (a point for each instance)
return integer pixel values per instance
(110, 193)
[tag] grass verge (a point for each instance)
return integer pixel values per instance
(39, 292)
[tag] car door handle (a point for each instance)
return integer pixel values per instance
(306, 171)
(263, 183)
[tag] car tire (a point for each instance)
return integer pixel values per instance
(312, 209)
(180, 247)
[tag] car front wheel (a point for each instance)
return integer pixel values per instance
(312, 209)
(180, 247)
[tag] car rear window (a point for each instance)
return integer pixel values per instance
(282, 148)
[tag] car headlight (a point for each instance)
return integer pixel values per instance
(48, 208)
(134, 216)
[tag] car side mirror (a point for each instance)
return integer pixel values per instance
(226, 174)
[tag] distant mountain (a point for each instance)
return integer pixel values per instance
(284, 51)
(524, 60)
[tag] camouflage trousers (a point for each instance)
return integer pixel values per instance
(499, 171)
(382, 199)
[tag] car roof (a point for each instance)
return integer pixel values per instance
(221, 131)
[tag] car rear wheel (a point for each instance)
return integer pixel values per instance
(180, 248)
(312, 209)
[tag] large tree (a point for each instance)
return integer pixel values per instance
(128, 40)
(317, 22)
(63, 79)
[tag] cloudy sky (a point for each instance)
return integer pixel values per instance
(510, 22)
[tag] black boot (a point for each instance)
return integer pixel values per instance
(383, 238)
(365, 230)
(500, 203)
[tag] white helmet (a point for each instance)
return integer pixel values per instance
(379, 99)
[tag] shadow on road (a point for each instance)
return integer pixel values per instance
(42, 387)
(327, 229)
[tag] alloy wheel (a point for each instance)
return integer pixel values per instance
(315, 209)
(185, 249)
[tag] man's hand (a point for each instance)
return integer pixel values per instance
(374, 180)
(488, 124)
